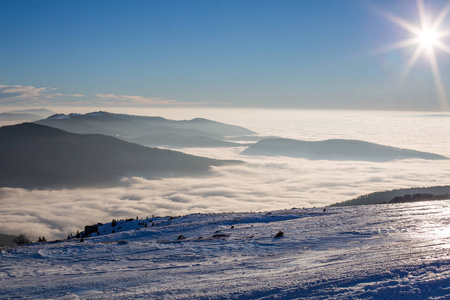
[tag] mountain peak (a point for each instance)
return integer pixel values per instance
(38, 156)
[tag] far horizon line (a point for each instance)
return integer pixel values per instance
(114, 109)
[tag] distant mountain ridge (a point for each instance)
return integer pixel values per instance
(335, 149)
(44, 112)
(26, 114)
(6, 116)
(38, 156)
(173, 140)
(131, 127)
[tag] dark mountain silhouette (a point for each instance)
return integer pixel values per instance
(173, 140)
(335, 150)
(25, 114)
(37, 156)
(129, 126)
(394, 195)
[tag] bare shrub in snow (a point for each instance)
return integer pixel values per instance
(21, 239)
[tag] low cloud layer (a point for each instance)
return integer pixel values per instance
(19, 94)
(113, 99)
(260, 185)
(22, 95)
(263, 183)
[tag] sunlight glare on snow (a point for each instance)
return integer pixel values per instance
(432, 226)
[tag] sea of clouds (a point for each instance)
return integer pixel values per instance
(260, 184)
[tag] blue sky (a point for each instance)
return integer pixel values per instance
(283, 54)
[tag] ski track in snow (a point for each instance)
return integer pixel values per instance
(366, 252)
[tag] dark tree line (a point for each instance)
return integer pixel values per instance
(418, 197)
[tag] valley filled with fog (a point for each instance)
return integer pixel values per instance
(261, 183)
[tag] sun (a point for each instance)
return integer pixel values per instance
(427, 38)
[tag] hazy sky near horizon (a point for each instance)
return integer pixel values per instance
(283, 54)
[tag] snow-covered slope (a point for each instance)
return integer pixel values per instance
(379, 251)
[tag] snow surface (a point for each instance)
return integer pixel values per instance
(387, 251)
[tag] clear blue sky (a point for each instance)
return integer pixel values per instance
(286, 54)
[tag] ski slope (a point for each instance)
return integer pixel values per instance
(387, 251)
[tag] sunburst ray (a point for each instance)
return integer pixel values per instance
(401, 44)
(441, 17)
(402, 23)
(412, 60)
(442, 95)
(428, 37)
(443, 47)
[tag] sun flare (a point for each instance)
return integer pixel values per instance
(427, 38)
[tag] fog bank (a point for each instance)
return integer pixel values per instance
(260, 185)
(263, 183)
